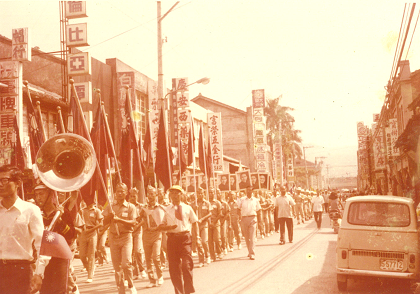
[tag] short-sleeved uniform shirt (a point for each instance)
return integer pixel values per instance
(215, 211)
(202, 209)
(91, 217)
(125, 211)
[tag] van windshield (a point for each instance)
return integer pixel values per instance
(383, 214)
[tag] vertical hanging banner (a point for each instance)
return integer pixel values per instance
(75, 9)
(21, 49)
(378, 149)
(10, 97)
(290, 169)
(277, 152)
(214, 122)
(393, 126)
(260, 144)
(153, 114)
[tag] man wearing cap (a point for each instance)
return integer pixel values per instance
(284, 203)
(56, 269)
(250, 210)
(20, 227)
(122, 217)
(178, 220)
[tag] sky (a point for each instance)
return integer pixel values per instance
(328, 60)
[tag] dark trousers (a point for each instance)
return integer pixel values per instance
(180, 262)
(288, 221)
(318, 218)
(55, 277)
(15, 278)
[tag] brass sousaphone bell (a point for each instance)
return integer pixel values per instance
(66, 162)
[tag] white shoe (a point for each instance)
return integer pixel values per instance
(89, 281)
(160, 281)
(194, 253)
(83, 270)
(75, 291)
(225, 251)
(125, 283)
(151, 285)
(143, 274)
(239, 246)
(133, 290)
(230, 249)
(208, 260)
(200, 264)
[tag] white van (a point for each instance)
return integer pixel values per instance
(378, 237)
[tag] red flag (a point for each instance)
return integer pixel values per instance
(163, 166)
(36, 139)
(100, 139)
(191, 145)
(209, 160)
(128, 139)
(54, 245)
(17, 156)
(148, 146)
(201, 152)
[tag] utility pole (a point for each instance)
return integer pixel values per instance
(160, 41)
(319, 176)
(306, 167)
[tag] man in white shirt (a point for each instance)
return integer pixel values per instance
(284, 203)
(317, 203)
(21, 225)
(178, 220)
(249, 209)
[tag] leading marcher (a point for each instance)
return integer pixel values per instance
(250, 210)
(178, 220)
(122, 218)
(21, 226)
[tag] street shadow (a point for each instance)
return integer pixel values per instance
(328, 276)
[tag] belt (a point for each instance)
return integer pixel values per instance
(178, 233)
(15, 261)
(249, 216)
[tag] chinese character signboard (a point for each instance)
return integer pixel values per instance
(278, 155)
(84, 92)
(376, 117)
(290, 169)
(180, 84)
(393, 126)
(75, 9)
(154, 111)
(214, 122)
(76, 35)
(10, 97)
(21, 50)
(79, 64)
(378, 149)
(258, 98)
(182, 99)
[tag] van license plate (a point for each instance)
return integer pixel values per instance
(391, 264)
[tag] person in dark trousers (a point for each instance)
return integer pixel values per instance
(178, 222)
(21, 229)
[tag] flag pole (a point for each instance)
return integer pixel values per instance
(205, 159)
(60, 119)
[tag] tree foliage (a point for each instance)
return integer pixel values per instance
(277, 116)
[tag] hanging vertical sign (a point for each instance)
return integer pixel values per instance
(378, 149)
(393, 126)
(78, 64)
(21, 49)
(76, 35)
(75, 9)
(10, 97)
(214, 122)
(277, 153)
(153, 114)
(290, 169)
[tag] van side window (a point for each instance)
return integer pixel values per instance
(379, 214)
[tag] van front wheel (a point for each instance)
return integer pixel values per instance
(342, 282)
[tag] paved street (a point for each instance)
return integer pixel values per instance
(305, 266)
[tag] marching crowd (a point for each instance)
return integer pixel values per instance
(166, 231)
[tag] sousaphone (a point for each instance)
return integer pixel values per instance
(66, 162)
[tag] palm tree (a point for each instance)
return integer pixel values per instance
(276, 115)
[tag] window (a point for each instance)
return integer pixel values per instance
(141, 110)
(382, 214)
